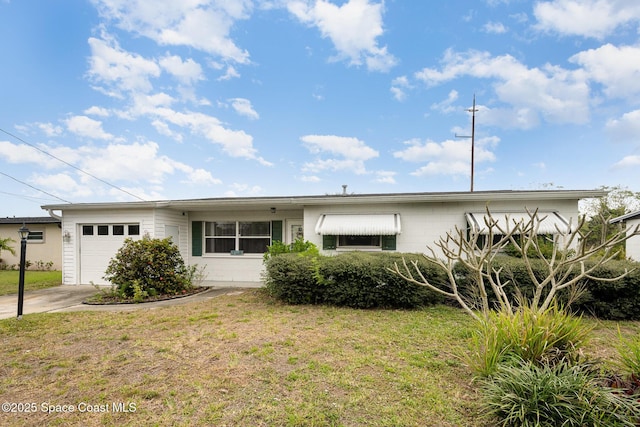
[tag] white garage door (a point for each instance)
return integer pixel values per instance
(98, 244)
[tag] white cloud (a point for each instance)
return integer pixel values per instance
(494, 28)
(97, 111)
(243, 107)
(21, 153)
(556, 94)
(615, 67)
(398, 86)
(55, 182)
(202, 25)
(139, 162)
(450, 157)
(446, 106)
(352, 27)
(87, 127)
(385, 177)
(586, 18)
(118, 69)
(626, 128)
(237, 189)
(187, 72)
(351, 153)
(309, 178)
(50, 129)
(540, 165)
(233, 143)
(230, 73)
(163, 129)
(628, 162)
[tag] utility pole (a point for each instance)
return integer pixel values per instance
(472, 110)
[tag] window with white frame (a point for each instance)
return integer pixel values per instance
(35, 236)
(249, 237)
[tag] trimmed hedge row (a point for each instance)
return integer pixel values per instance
(361, 280)
(353, 279)
(619, 300)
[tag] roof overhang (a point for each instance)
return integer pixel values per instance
(358, 224)
(299, 202)
(549, 222)
(623, 218)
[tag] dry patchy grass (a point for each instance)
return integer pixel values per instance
(242, 360)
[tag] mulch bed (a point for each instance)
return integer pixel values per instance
(105, 299)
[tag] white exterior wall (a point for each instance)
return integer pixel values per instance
(424, 223)
(72, 224)
(173, 218)
(243, 269)
(633, 244)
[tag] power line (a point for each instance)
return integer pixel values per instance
(37, 189)
(22, 196)
(72, 166)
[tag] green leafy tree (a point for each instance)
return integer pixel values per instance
(598, 211)
(148, 267)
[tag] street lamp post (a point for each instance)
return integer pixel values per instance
(24, 233)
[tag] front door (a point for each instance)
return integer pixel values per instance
(295, 230)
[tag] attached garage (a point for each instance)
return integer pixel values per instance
(98, 244)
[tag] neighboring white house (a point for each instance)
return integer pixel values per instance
(631, 221)
(230, 235)
(44, 244)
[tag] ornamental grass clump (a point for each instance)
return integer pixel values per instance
(148, 267)
(542, 338)
(523, 393)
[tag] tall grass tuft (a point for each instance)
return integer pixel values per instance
(539, 337)
(565, 394)
(629, 351)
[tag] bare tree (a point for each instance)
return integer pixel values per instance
(476, 249)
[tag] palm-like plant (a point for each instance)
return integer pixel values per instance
(4, 245)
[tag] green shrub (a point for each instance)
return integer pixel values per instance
(540, 338)
(290, 278)
(301, 246)
(352, 279)
(362, 280)
(619, 300)
(526, 394)
(148, 267)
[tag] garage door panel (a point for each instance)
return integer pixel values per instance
(96, 251)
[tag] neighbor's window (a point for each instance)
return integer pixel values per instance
(251, 237)
(87, 230)
(118, 230)
(35, 237)
(103, 230)
(134, 230)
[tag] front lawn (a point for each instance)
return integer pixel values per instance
(245, 360)
(32, 280)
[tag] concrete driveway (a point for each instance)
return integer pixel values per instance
(69, 298)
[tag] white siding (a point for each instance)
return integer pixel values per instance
(424, 223)
(72, 223)
(173, 218)
(633, 244)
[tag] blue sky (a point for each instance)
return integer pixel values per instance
(104, 100)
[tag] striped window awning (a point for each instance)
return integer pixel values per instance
(550, 222)
(358, 224)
